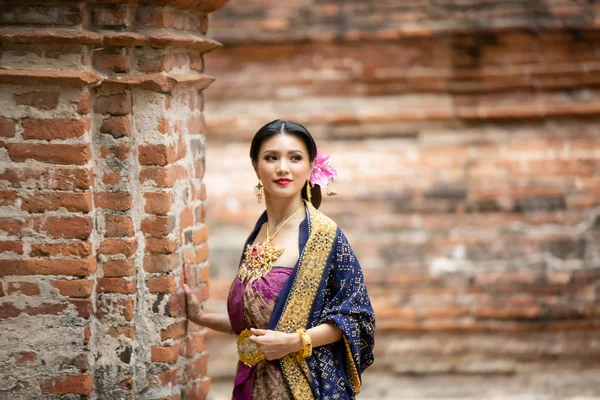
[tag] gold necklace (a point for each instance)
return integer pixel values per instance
(258, 259)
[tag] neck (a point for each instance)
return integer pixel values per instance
(279, 209)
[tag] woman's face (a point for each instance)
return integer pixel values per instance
(283, 165)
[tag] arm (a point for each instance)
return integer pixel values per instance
(276, 344)
(195, 311)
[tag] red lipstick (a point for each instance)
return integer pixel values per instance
(283, 182)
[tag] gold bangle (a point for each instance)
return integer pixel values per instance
(306, 350)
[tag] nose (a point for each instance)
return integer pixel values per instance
(282, 166)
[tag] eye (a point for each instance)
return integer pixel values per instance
(297, 158)
(270, 158)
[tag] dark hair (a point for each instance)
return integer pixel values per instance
(278, 127)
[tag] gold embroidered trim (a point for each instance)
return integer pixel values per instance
(248, 352)
(352, 371)
(322, 233)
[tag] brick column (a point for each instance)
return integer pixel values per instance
(102, 197)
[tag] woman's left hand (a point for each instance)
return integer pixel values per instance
(274, 344)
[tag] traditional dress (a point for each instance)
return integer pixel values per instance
(325, 286)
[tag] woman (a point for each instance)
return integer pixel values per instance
(299, 305)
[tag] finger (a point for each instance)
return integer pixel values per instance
(187, 289)
(187, 273)
(259, 332)
(254, 339)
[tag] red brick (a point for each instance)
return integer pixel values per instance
(14, 246)
(118, 226)
(120, 151)
(161, 262)
(70, 179)
(203, 274)
(115, 246)
(115, 285)
(111, 16)
(74, 287)
(176, 305)
(7, 127)
(196, 125)
(200, 191)
(153, 63)
(87, 334)
(12, 226)
(158, 226)
(162, 284)
(26, 288)
(175, 331)
(163, 177)
(186, 218)
(115, 104)
(202, 254)
(164, 354)
(50, 153)
(196, 368)
(116, 201)
(201, 235)
(8, 310)
(198, 390)
(48, 267)
(39, 99)
(83, 105)
(51, 129)
(157, 203)
(122, 330)
(69, 227)
(118, 268)
(169, 377)
(163, 126)
(44, 201)
(158, 154)
(83, 307)
(194, 343)
(116, 126)
(8, 197)
(45, 309)
(160, 246)
(111, 62)
(74, 384)
(81, 249)
(25, 358)
(114, 178)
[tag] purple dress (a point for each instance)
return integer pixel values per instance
(250, 305)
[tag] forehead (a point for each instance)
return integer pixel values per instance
(283, 142)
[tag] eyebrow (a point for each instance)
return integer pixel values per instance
(277, 151)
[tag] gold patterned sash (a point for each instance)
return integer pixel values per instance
(302, 294)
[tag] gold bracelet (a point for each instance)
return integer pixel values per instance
(306, 350)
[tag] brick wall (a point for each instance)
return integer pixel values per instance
(102, 198)
(466, 138)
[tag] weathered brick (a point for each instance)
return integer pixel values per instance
(118, 268)
(197, 390)
(161, 262)
(116, 126)
(160, 246)
(115, 285)
(157, 203)
(158, 226)
(12, 226)
(11, 246)
(26, 288)
(111, 62)
(122, 330)
(162, 177)
(7, 127)
(118, 226)
(74, 287)
(156, 155)
(175, 331)
(44, 201)
(201, 234)
(194, 343)
(115, 104)
(77, 154)
(51, 129)
(8, 197)
(115, 246)
(164, 354)
(83, 307)
(69, 227)
(25, 358)
(196, 367)
(74, 384)
(83, 106)
(153, 62)
(162, 284)
(42, 100)
(78, 249)
(116, 201)
(120, 151)
(8, 310)
(111, 15)
(202, 254)
(48, 267)
(45, 309)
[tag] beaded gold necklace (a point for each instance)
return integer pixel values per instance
(258, 259)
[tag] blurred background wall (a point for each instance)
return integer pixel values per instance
(467, 140)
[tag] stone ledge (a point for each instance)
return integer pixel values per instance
(161, 83)
(205, 6)
(63, 78)
(155, 38)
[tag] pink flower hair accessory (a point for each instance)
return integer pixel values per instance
(323, 172)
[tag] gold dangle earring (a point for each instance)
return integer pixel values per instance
(308, 194)
(258, 191)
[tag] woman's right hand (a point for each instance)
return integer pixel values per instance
(193, 306)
